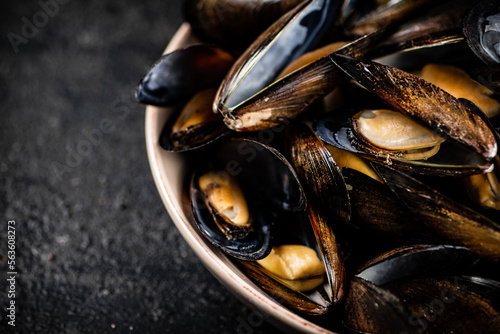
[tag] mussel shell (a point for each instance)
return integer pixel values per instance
(336, 129)
(483, 36)
(269, 183)
(381, 16)
(453, 221)
(454, 304)
(290, 298)
(439, 26)
(378, 210)
(181, 73)
(317, 171)
(234, 22)
(371, 309)
(256, 245)
(287, 39)
(417, 260)
(293, 94)
(196, 135)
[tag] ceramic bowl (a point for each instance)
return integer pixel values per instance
(169, 173)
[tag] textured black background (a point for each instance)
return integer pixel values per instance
(96, 250)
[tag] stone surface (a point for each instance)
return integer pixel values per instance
(96, 251)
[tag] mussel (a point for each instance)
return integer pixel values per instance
(177, 76)
(264, 176)
(444, 115)
(455, 222)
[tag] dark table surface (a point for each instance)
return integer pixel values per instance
(96, 251)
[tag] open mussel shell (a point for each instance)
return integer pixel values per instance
(453, 221)
(181, 73)
(259, 66)
(317, 170)
(234, 22)
(195, 126)
(291, 95)
(269, 185)
(424, 102)
(481, 28)
(335, 128)
(416, 260)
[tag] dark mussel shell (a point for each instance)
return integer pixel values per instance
(198, 135)
(371, 309)
(336, 129)
(180, 74)
(317, 170)
(382, 15)
(481, 28)
(290, 298)
(417, 260)
(438, 26)
(269, 183)
(453, 221)
(424, 102)
(376, 209)
(293, 34)
(450, 304)
(234, 22)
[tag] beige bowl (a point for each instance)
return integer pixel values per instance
(169, 174)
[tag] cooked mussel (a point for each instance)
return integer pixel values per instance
(177, 76)
(195, 126)
(290, 95)
(482, 31)
(265, 177)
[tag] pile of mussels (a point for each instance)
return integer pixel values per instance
(363, 196)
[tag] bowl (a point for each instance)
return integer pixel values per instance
(168, 171)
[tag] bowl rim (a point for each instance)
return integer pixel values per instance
(214, 260)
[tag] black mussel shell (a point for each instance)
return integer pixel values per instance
(481, 27)
(255, 245)
(376, 209)
(180, 74)
(381, 15)
(417, 260)
(317, 170)
(269, 183)
(453, 221)
(450, 304)
(204, 132)
(290, 298)
(371, 309)
(336, 129)
(293, 34)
